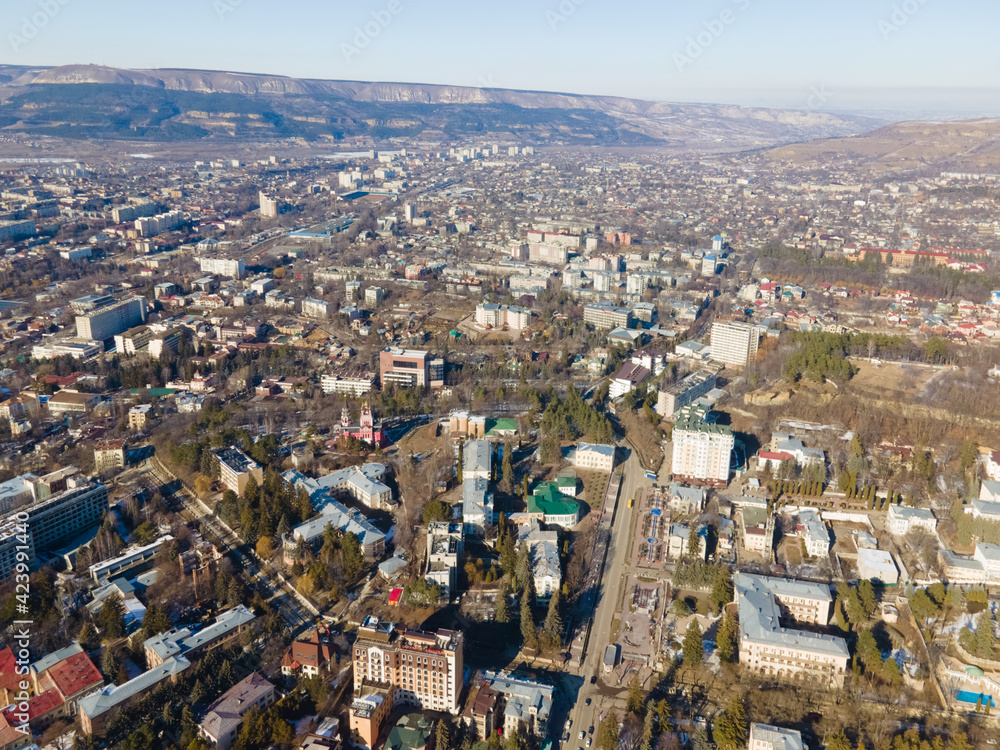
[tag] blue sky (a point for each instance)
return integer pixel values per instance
(840, 54)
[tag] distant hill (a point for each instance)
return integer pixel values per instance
(965, 145)
(95, 102)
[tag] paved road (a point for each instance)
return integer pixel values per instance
(275, 591)
(609, 590)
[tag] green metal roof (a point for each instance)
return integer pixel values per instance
(549, 500)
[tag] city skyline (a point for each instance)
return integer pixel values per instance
(850, 57)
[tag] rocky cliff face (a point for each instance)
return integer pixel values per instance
(539, 117)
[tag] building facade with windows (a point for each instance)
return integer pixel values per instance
(426, 669)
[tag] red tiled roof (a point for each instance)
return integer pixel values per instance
(74, 674)
(9, 678)
(40, 705)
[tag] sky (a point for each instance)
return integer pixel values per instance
(924, 56)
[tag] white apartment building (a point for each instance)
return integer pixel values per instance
(477, 460)
(769, 645)
(678, 395)
(702, 450)
(444, 548)
(734, 343)
(353, 384)
(592, 456)
(492, 315)
(814, 533)
(233, 269)
(316, 308)
(268, 206)
(544, 555)
(105, 322)
(902, 519)
(64, 504)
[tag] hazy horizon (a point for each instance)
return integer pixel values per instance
(906, 57)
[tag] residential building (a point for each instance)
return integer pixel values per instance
(768, 737)
(368, 713)
(311, 655)
(178, 642)
(491, 315)
(268, 206)
(877, 565)
(814, 533)
(59, 680)
(607, 316)
(132, 341)
(104, 322)
(543, 553)
(595, 456)
(64, 504)
(316, 308)
(98, 708)
(138, 416)
(684, 500)
(477, 506)
(768, 610)
(477, 460)
(676, 396)
(425, 668)
(406, 367)
(224, 717)
(626, 379)
(351, 383)
(236, 468)
(702, 450)
(525, 705)
(69, 401)
(902, 519)
(734, 343)
(109, 455)
(23, 406)
(233, 269)
(444, 548)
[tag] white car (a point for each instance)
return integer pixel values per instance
(589, 741)
(582, 734)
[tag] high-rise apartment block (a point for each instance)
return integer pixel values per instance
(62, 505)
(702, 449)
(426, 669)
(104, 322)
(734, 343)
(268, 207)
(234, 269)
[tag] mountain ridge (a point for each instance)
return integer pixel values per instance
(346, 105)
